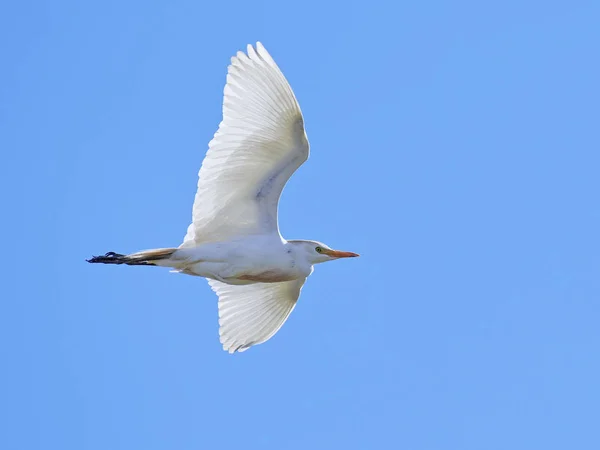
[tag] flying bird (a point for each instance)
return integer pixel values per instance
(234, 240)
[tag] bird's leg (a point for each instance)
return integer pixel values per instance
(144, 258)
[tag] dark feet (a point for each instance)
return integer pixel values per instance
(109, 258)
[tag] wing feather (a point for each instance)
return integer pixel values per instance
(259, 145)
(251, 314)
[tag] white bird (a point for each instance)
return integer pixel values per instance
(234, 238)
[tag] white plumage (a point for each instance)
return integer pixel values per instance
(234, 238)
(251, 314)
(259, 145)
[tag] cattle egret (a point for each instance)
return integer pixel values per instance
(234, 240)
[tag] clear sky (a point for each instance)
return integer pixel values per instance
(455, 145)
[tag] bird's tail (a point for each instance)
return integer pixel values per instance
(156, 257)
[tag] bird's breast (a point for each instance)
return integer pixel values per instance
(272, 268)
(268, 276)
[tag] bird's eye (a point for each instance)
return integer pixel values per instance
(318, 250)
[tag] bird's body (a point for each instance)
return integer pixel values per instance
(234, 238)
(251, 259)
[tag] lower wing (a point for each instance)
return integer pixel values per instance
(251, 314)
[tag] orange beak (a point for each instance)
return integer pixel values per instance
(340, 254)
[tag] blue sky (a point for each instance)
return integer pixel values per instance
(455, 145)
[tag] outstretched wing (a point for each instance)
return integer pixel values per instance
(251, 314)
(259, 145)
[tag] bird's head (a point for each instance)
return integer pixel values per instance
(317, 252)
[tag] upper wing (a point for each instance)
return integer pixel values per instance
(251, 314)
(259, 145)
